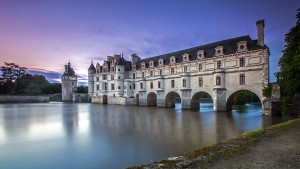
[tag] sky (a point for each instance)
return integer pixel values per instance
(45, 35)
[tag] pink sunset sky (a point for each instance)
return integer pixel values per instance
(45, 35)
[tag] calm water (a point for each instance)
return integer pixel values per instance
(84, 136)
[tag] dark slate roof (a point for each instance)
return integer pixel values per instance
(229, 47)
(122, 61)
(70, 72)
(92, 67)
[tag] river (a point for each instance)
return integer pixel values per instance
(90, 136)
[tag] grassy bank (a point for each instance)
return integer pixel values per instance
(224, 149)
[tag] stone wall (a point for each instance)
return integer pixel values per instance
(80, 97)
(23, 99)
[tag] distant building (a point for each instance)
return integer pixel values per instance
(69, 83)
(220, 69)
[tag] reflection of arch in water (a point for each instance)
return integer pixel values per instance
(137, 97)
(172, 98)
(151, 99)
(195, 101)
(104, 99)
(229, 101)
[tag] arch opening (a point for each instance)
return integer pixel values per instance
(201, 98)
(172, 98)
(104, 99)
(241, 97)
(151, 99)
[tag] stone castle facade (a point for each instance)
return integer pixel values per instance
(219, 69)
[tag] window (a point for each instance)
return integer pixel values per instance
(143, 74)
(97, 71)
(184, 83)
(112, 77)
(133, 85)
(119, 87)
(158, 84)
(200, 81)
(97, 87)
(242, 79)
(151, 85)
(72, 83)
(218, 80)
(119, 77)
(112, 87)
(160, 72)
(242, 62)
(104, 77)
(172, 83)
(141, 85)
(172, 71)
(133, 75)
(104, 70)
(130, 87)
(151, 73)
(218, 64)
(200, 67)
(118, 69)
(105, 86)
(185, 69)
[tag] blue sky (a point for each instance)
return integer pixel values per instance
(45, 35)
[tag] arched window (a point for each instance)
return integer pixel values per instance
(184, 82)
(218, 80)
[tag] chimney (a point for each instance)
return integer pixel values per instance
(66, 69)
(260, 32)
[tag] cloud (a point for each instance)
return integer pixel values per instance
(51, 76)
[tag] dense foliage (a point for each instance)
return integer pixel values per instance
(82, 89)
(289, 73)
(267, 91)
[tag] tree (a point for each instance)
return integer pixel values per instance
(11, 72)
(52, 88)
(289, 73)
(31, 84)
(82, 89)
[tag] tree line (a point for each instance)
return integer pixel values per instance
(14, 80)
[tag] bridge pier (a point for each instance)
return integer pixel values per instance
(219, 98)
(186, 98)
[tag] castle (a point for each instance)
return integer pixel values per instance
(219, 69)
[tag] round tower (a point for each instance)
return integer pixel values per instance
(120, 73)
(69, 83)
(91, 72)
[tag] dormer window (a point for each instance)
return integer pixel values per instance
(242, 46)
(200, 54)
(151, 63)
(172, 59)
(185, 57)
(143, 65)
(219, 51)
(161, 62)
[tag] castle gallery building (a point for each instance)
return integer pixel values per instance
(220, 69)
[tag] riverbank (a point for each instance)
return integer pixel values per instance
(23, 99)
(276, 146)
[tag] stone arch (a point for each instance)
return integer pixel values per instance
(171, 98)
(229, 100)
(151, 99)
(195, 101)
(104, 99)
(137, 97)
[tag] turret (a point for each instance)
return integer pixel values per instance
(91, 72)
(69, 83)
